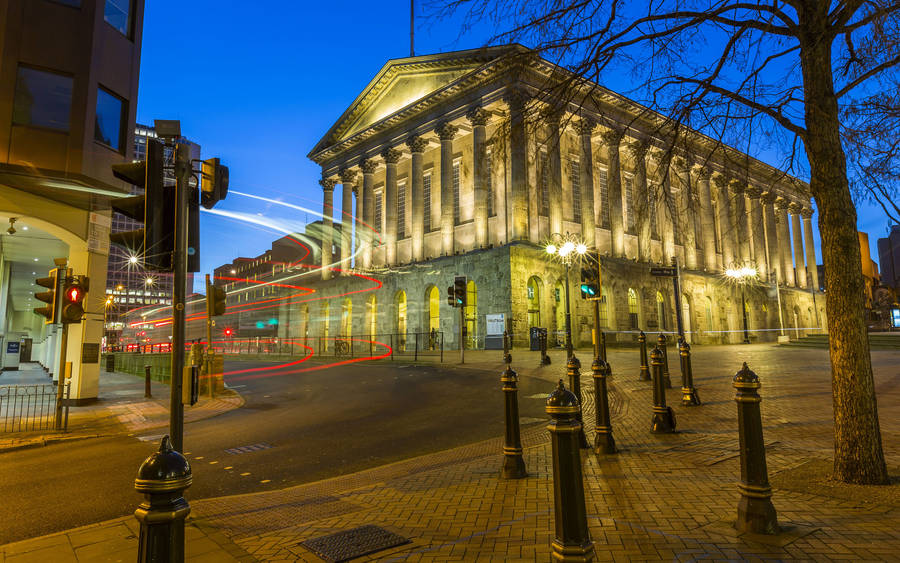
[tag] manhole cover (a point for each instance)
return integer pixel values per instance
(350, 544)
(248, 449)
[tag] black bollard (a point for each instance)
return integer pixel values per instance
(572, 540)
(545, 359)
(513, 464)
(162, 478)
(602, 345)
(662, 343)
(689, 395)
(645, 369)
(147, 382)
(756, 514)
(663, 417)
(603, 435)
(573, 370)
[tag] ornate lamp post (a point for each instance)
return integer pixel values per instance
(567, 249)
(743, 276)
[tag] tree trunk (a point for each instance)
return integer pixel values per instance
(858, 455)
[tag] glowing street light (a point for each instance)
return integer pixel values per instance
(743, 276)
(571, 249)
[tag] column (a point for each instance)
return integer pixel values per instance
(348, 184)
(391, 157)
(446, 132)
(739, 206)
(798, 244)
(784, 241)
(686, 213)
(518, 165)
(585, 127)
(612, 138)
(417, 146)
(638, 151)
(812, 269)
(773, 254)
(758, 232)
(357, 222)
(370, 229)
(554, 182)
(707, 221)
(478, 117)
(327, 224)
(664, 207)
(728, 239)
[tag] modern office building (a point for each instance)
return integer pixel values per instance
(889, 258)
(68, 92)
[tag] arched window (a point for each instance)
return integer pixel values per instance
(326, 313)
(372, 315)
(661, 311)
(471, 315)
(709, 314)
(632, 309)
(400, 305)
(534, 301)
(604, 307)
(347, 318)
(433, 298)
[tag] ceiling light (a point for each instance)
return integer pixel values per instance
(12, 229)
(35, 259)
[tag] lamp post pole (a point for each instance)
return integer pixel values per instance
(744, 311)
(568, 316)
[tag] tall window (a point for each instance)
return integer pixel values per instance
(110, 119)
(604, 308)
(434, 311)
(545, 184)
(661, 316)
(604, 198)
(716, 226)
(379, 199)
(117, 13)
(401, 210)
(42, 99)
(651, 195)
(628, 184)
(400, 303)
(372, 312)
(471, 314)
(456, 192)
(426, 199)
(632, 309)
(533, 292)
(489, 181)
(575, 174)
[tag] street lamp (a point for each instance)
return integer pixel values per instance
(567, 249)
(743, 276)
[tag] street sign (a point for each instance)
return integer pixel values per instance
(663, 271)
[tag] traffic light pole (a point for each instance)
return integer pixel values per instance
(209, 345)
(179, 261)
(61, 382)
(676, 280)
(462, 335)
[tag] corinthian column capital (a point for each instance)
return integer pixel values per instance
(753, 192)
(721, 181)
(782, 203)
(368, 166)
(348, 176)
(446, 131)
(737, 187)
(806, 212)
(638, 149)
(585, 126)
(795, 207)
(703, 172)
(478, 116)
(612, 137)
(327, 183)
(391, 155)
(769, 197)
(416, 144)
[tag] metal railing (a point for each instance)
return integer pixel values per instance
(389, 345)
(24, 408)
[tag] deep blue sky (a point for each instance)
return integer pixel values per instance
(259, 84)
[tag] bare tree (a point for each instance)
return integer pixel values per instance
(801, 78)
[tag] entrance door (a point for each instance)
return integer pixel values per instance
(25, 351)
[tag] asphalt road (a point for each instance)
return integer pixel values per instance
(294, 428)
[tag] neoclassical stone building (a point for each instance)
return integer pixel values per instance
(454, 164)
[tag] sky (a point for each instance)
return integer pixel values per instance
(258, 84)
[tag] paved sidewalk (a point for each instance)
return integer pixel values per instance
(662, 497)
(120, 407)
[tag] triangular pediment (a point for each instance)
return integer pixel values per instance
(403, 82)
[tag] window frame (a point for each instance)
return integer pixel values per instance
(44, 70)
(123, 119)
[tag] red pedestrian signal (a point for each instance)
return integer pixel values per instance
(74, 292)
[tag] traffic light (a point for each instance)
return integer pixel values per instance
(50, 297)
(459, 291)
(215, 300)
(190, 385)
(213, 182)
(74, 291)
(590, 278)
(451, 297)
(228, 332)
(155, 208)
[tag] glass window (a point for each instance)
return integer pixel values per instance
(117, 13)
(110, 119)
(456, 192)
(604, 198)
(629, 203)
(575, 174)
(489, 180)
(401, 210)
(426, 197)
(545, 184)
(43, 99)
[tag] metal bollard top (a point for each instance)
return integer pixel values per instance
(507, 358)
(745, 379)
(509, 375)
(599, 367)
(683, 347)
(164, 471)
(573, 363)
(656, 356)
(661, 339)
(642, 337)
(562, 401)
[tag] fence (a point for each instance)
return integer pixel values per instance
(24, 408)
(388, 345)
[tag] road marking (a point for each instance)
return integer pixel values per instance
(245, 474)
(199, 457)
(247, 449)
(187, 453)
(213, 462)
(265, 481)
(152, 438)
(236, 386)
(228, 467)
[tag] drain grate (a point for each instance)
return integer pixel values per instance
(248, 449)
(350, 544)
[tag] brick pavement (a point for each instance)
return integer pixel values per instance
(668, 497)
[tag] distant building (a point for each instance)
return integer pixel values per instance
(889, 258)
(869, 269)
(128, 286)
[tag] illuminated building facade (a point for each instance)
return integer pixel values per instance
(461, 167)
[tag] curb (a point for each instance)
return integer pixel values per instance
(45, 440)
